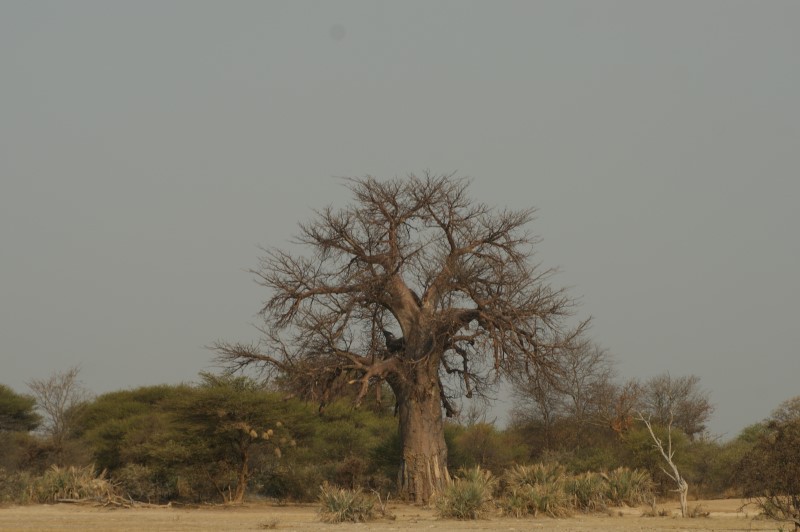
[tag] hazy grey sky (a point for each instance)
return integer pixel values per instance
(147, 148)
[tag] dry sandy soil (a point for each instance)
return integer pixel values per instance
(724, 515)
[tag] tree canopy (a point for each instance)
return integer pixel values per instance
(770, 471)
(406, 253)
(17, 411)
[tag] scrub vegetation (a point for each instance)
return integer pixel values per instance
(346, 413)
(230, 439)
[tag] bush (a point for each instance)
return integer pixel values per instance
(600, 458)
(531, 475)
(469, 496)
(481, 444)
(292, 481)
(341, 505)
(587, 491)
(547, 489)
(15, 488)
(143, 483)
(628, 486)
(72, 483)
(550, 499)
(770, 472)
(536, 489)
(518, 502)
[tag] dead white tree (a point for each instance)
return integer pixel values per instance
(668, 454)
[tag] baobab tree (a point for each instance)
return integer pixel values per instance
(415, 285)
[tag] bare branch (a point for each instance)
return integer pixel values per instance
(450, 276)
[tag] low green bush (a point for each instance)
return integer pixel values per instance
(531, 475)
(469, 496)
(340, 505)
(630, 487)
(587, 491)
(15, 488)
(547, 489)
(536, 489)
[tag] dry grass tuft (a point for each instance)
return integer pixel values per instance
(73, 484)
(469, 496)
(535, 489)
(341, 505)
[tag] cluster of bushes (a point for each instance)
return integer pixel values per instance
(521, 491)
(56, 484)
(191, 444)
(707, 464)
(223, 439)
(227, 438)
(541, 489)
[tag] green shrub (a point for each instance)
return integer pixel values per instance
(546, 499)
(600, 458)
(479, 476)
(482, 444)
(291, 481)
(135, 483)
(469, 496)
(531, 475)
(535, 489)
(15, 488)
(145, 484)
(770, 471)
(518, 502)
(341, 505)
(587, 491)
(628, 486)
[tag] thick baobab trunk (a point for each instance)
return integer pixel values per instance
(423, 470)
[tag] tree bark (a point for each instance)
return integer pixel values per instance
(683, 490)
(243, 476)
(423, 468)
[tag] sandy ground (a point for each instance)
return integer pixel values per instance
(724, 515)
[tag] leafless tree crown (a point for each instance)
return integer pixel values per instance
(678, 400)
(59, 396)
(580, 387)
(453, 278)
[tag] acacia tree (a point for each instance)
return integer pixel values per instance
(17, 417)
(769, 472)
(17, 411)
(419, 257)
(231, 420)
